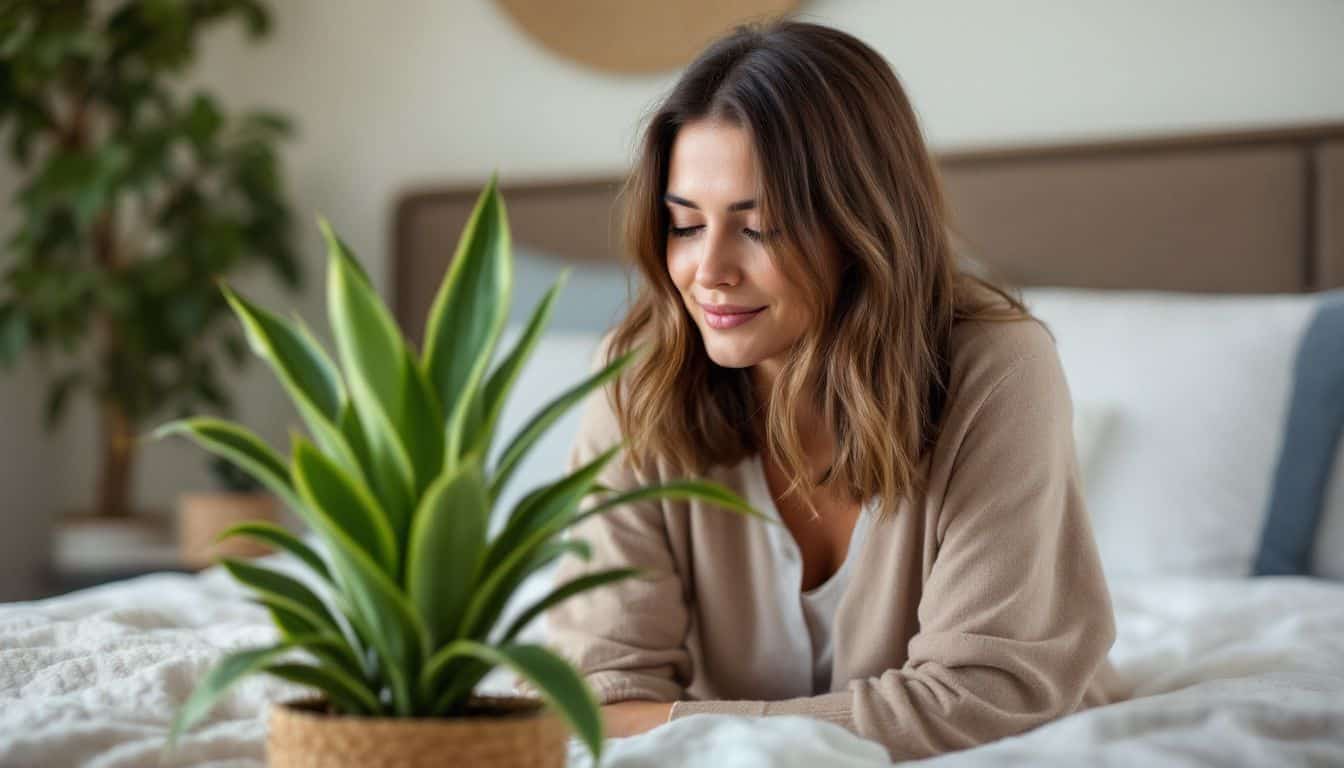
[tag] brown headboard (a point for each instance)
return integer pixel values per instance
(1257, 211)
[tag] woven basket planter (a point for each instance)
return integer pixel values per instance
(498, 733)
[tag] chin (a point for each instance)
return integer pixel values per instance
(730, 353)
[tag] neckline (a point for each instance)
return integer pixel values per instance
(765, 501)
(841, 574)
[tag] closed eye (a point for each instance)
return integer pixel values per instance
(750, 234)
(684, 231)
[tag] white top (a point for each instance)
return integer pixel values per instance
(808, 615)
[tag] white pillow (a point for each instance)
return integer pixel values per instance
(1090, 421)
(1200, 387)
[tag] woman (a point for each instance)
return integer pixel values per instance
(810, 343)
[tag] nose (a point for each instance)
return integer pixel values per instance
(718, 266)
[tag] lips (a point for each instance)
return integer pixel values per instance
(724, 316)
(728, 309)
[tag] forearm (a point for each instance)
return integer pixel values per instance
(631, 718)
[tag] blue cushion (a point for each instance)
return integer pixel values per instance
(1311, 438)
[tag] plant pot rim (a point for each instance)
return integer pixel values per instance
(483, 709)
(301, 733)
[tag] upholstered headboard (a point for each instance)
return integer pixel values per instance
(1258, 211)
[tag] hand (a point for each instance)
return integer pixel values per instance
(630, 718)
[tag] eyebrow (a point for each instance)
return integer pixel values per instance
(740, 205)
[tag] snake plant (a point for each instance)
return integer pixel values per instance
(404, 612)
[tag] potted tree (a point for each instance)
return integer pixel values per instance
(402, 617)
(135, 196)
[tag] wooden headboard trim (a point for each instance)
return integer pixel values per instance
(1320, 148)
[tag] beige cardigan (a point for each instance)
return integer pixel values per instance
(980, 613)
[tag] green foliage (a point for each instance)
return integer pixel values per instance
(136, 197)
(403, 615)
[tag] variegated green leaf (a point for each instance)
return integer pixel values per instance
(371, 351)
(379, 611)
(344, 503)
(711, 493)
(446, 547)
(562, 593)
(384, 619)
(468, 315)
(300, 365)
(271, 583)
(537, 510)
(423, 431)
(305, 371)
(353, 432)
(274, 535)
(223, 675)
(501, 380)
(242, 447)
(532, 431)
(499, 583)
(551, 675)
(350, 695)
(337, 247)
(296, 621)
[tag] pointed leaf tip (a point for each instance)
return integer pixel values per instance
(340, 251)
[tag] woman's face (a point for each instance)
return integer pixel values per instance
(748, 312)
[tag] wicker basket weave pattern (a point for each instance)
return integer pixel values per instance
(521, 736)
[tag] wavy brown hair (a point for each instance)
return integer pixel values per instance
(847, 183)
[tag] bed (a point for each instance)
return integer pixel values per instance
(1209, 259)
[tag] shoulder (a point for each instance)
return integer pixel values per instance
(1004, 455)
(985, 354)
(1007, 393)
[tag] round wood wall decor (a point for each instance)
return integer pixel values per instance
(634, 36)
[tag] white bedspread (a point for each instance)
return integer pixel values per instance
(1227, 672)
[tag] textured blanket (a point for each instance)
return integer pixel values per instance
(1228, 672)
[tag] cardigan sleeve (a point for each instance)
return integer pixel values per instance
(1015, 617)
(627, 638)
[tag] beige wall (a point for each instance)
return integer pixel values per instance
(389, 95)
(27, 472)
